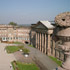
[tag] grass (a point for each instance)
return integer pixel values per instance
(25, 66)
(12, 49)
(13, 65)
(18, 43)
(31, 46)
(56, 60)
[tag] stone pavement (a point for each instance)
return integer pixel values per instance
(20, 57)
(5, 59)
(42, 59)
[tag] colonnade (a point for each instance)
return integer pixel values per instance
(43, 42)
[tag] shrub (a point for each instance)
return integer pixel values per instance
(21, 47)
(26, 51)
(31, 46)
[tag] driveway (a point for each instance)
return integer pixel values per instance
(44, 62)
(5, 59)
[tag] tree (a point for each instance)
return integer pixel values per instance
(13, 23)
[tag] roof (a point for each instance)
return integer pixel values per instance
(33, 25)
(47, 24)
(4, 26)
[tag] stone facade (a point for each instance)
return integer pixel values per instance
(43, 37)
(9, 33)
(33, 35)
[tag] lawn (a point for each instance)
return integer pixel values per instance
(25, 66)
(18, 43)
(56, 60)
(12, 49)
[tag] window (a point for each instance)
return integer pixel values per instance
(10, 38)
(4, 39)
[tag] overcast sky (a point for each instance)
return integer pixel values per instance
(31, 11)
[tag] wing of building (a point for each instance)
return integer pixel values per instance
(9, 33)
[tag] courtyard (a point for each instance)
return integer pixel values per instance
(35, 57)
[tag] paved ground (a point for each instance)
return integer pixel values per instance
(5, 59)
(42, 59)
(20, 57)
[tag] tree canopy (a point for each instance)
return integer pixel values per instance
(13, 23)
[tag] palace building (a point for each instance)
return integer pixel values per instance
(9, 33)
(41, 36)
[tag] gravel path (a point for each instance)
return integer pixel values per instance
(5, 59)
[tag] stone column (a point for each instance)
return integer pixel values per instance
(40, 41)
(49, 46)
(53, 48)
(36, 40)
(45, 44)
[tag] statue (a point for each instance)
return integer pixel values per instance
(63, 33)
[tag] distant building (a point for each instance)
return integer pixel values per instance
(9, 33)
